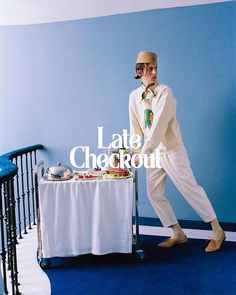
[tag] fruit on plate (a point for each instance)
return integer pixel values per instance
(96, 172)
(86, 176)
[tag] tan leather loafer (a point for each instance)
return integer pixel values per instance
(171, 242)
(215, 245)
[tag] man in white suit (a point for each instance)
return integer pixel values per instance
(152, 112)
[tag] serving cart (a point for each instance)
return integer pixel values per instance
(90, 222)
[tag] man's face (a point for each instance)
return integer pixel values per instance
(149, 74)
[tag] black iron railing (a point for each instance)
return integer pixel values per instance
(17, 207)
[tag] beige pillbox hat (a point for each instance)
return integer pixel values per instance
(147, 57)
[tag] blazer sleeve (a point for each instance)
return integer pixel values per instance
(163, 109)
(135, 127)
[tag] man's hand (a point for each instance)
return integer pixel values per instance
(136, 158)
(136, 161)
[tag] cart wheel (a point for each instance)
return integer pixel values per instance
(45, 263)
(140, 254)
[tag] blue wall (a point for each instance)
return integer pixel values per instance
(59, 81)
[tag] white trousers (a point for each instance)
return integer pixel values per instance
(177, 166)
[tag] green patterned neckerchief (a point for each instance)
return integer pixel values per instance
(148, 118)
(148, 113)
(148, 89)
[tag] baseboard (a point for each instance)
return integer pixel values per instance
(190, 224)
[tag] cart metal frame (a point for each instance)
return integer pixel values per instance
(139, 252)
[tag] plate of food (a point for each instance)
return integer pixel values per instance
(117, 173)
(84, 176)
(96, 172)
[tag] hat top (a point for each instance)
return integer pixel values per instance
(147, 57)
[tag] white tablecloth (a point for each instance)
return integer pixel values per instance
(79, 217)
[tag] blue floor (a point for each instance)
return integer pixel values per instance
(182, 270)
